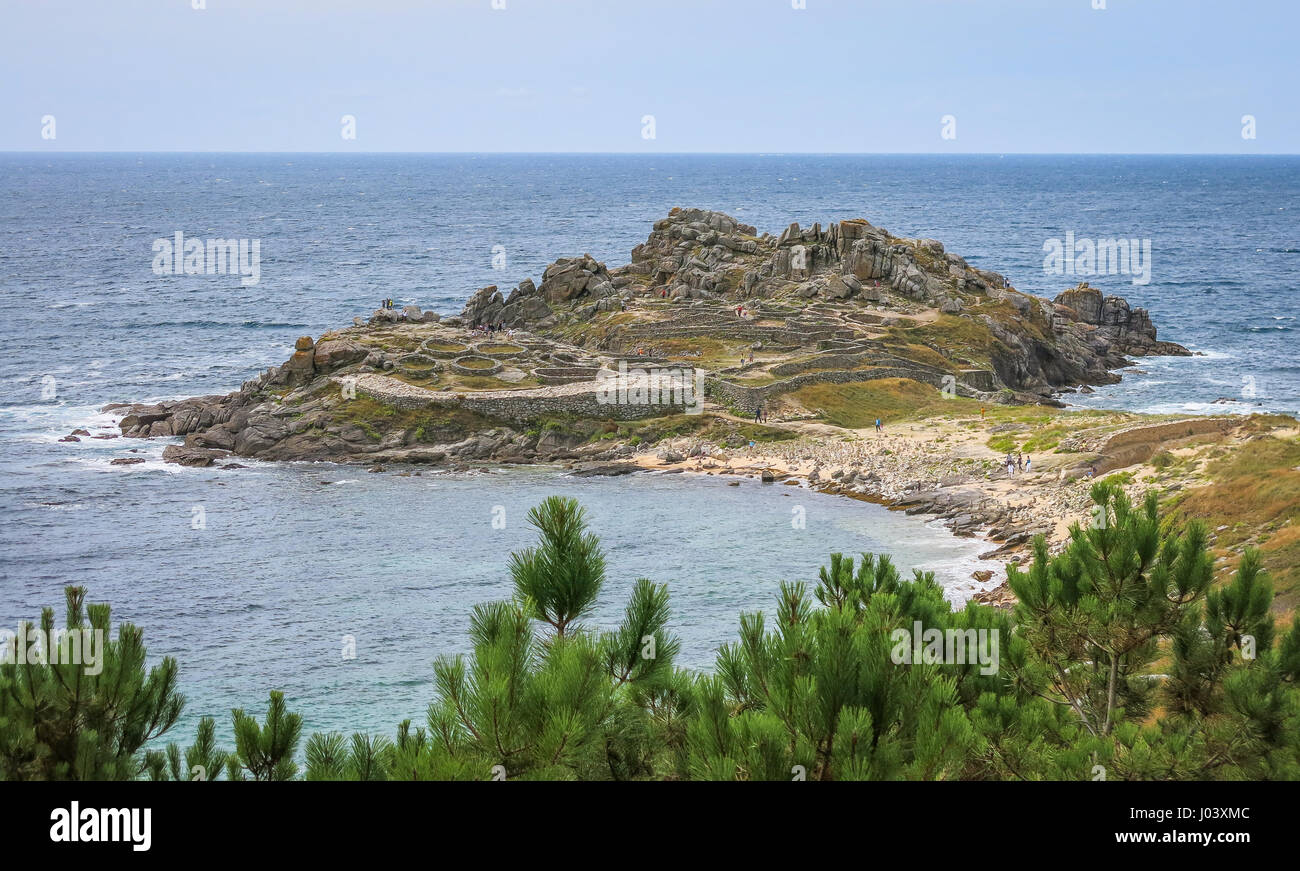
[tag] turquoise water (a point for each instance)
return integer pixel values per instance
(294, 557)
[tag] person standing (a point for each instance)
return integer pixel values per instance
(878, 427)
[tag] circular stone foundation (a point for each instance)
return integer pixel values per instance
(471, 364)
(499, 350)
(443, 348)
(418, 365)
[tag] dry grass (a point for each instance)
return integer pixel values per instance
(1255, 494)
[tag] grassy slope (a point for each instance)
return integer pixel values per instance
(1251, 494)
(1254, 500)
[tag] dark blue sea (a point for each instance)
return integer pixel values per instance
(294, 557)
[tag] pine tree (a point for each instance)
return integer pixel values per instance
(201, 761)
(1095, 613)
(69, 721)
(330, 756)
(563, 574)
(1096, 625)
(265, 752)
(820, 695)
(574, 704)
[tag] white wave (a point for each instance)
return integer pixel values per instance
(51, 422)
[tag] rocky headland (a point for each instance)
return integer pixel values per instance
(816, 331)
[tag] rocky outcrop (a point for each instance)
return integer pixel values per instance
(574, 279)
(409, 314)
(1035, 347)
(191, 456)
(1078, 339)
(336, 353)
(484, 307)
(1118, 327)
(712, 253)
(524, 308)
(844, 303)
(316, 421)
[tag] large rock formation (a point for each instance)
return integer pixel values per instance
(848, 302)
(712, 252)
(525, 307)
(1034, 346)
(1129, 330)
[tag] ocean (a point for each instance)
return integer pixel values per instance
(292, 558)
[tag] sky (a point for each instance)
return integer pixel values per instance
(858, 76)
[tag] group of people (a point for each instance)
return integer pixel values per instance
(760, 415)
(494, 329)
(1017, 463)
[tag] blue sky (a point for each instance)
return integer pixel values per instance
(1025, 76)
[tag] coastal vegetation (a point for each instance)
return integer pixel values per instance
(1125, 658)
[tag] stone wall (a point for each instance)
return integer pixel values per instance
(584, 399)
(517, 406)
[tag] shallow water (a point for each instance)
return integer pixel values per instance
(293, 557)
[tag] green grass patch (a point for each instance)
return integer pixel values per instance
(436, 425)
(857, 405)
(1003, 444)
